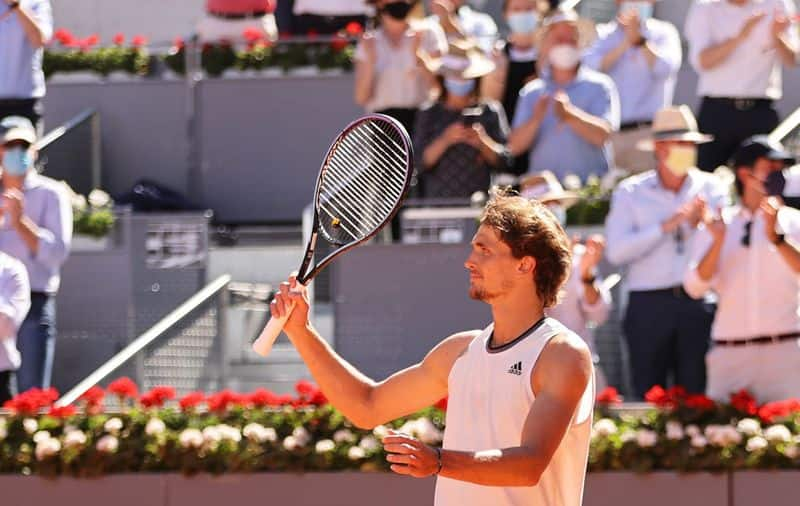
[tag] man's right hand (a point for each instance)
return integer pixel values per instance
(456, 133)
(631, 24)
(750, 24)
(370, 53)
(691, 211)
(291, 293)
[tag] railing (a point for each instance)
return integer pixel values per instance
(72, 152)
(788, 132)
(190, 351)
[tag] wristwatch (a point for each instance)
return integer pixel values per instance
(779, 239)
(13, 5)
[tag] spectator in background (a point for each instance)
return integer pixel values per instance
(25, 27)
(229, 19)
(459, 139)
(390, 77)
(36, 229)
(755, 271)
(566, 116)
(586, 301)
(461, 21)
(738, 48)
(653, 218)
(15, 300)
(327, 16)
(515, 59)
(642, 55)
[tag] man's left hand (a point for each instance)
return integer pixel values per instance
(410, 456)
(562, 107)
(13, 206)
(595, 245)
(770, 207)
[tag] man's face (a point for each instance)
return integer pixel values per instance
(515, 6)
(561, 33)
(756, 177)
(492, 268)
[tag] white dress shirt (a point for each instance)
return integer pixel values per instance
(330, 7)
(399, 81)
(15, 300)
(753, 69)
(759, 294)
(574, 312)
(639, 206)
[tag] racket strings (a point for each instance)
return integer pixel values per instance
(363, 180)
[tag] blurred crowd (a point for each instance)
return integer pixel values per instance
(709, 257)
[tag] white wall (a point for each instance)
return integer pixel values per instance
(159, 20)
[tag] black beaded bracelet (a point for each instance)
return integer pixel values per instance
(438, 459)
(781, 238)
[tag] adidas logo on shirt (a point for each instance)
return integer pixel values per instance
(516, 369)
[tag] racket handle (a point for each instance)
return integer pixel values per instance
(263, 345)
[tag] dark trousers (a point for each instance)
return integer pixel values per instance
(323, 25)
(30, 108)
(5, 386)
(731, 121)
(668, 333)
(36, 341)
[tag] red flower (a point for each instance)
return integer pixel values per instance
(220, 401)
(252, 35)
(262, 398)
(64, 37)
(744, 402)
(157, 396)
(178, 42)
(124, 388)
(31, 401)
(312, 34)
(339, 43)
(609, 395)
(92, 40)
(700, 402)
(778, 410)
(119, 39)
(138, 41)
(354, 28)
(657, 396)
(441, 404)
(62, 411)
(94, 395)
(191, 400)
(309, 394)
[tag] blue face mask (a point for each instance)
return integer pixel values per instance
(523, 22)
(17, 161)
(645, 9)
(459, 87)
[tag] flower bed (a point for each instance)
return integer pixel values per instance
(262, 431)
(69, 53)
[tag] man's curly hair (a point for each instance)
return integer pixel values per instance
(530, 229)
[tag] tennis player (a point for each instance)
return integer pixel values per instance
(520, 391)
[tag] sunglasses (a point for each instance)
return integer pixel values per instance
(746, 236)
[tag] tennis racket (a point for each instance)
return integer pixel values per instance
(360, 187)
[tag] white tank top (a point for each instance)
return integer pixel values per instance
(490, 397)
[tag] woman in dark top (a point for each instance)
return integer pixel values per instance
(459, 139)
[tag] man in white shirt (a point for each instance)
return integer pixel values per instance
(755, 271)
(15, 300)
(738, 48)
(642, 55)
(651, 223)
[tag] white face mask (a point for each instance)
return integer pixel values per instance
(680, 159)
(564, 56)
